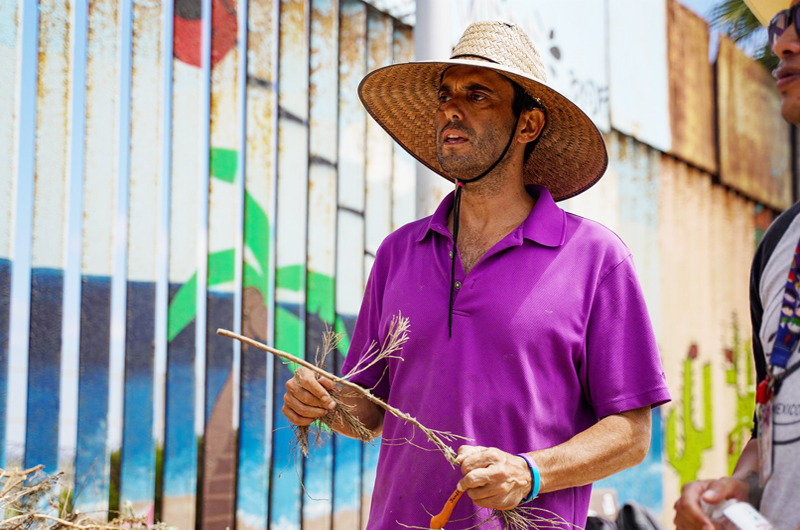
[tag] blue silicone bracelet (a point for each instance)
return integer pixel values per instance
(535, 478)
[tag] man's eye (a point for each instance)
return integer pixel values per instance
(443, 98)
(478, 97)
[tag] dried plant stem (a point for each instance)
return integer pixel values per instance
(438, 438)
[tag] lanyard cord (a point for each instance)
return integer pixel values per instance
(457, 214)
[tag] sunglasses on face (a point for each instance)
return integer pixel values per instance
(781, 22)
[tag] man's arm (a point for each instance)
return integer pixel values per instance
(307, 399)
(496, 479)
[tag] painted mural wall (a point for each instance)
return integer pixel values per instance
(171, 167)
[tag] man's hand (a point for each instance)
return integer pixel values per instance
(689, 514)
(493, 478)
(307, 398)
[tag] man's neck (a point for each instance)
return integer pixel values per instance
(496, 207)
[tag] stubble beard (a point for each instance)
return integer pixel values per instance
(485, 151)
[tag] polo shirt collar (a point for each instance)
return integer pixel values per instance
(545, 225)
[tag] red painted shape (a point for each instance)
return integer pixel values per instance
(187, 39)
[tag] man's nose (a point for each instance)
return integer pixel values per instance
(452, 109)
(788, 43)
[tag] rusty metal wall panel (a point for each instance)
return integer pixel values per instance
(750, 122)
(706, 245)
(691, 88)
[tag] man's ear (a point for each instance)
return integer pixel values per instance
(531, 124)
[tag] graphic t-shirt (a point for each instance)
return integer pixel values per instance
(780, 503)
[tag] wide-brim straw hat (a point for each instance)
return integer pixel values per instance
(403, 98)
(764, 10)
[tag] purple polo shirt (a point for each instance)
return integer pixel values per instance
(550, 334)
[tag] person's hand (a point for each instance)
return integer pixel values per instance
(307, 398)
(493, 478)
(689, 515)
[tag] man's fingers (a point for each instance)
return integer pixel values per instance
(309, 382)
(485, 457)
(466, 450)
(295, 418)
(327, 383)
(301, 409)
(475, 479)
(306, 397)
(689, 515)
(725, 488)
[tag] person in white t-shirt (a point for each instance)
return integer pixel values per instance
(773, 304)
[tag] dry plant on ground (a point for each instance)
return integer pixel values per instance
(30, 500)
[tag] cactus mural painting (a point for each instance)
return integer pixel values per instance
(739, 356)
(695, 441)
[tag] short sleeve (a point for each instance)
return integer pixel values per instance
(622, 369)
(366, 333)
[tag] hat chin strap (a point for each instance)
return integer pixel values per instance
(457, 214)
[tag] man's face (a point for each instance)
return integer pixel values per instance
(787, 49)
(474, 119)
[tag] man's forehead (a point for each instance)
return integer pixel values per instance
(474, 75)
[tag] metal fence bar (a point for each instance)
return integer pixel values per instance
(218, 472)
(137, 476)
(378, 207)
(9, 37)
(47, 256)
(292, 226)
(25, 166)
(350, 239)
(162, 267)
(258, 265)
(321, 263)
(70, 363)
(179, 493)
(404, 184)
(97, 260)
(204, 182)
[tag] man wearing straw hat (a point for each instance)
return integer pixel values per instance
(529, 332)
(767, 474)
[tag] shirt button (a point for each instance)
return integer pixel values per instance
(458, 286)
(451, 254)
